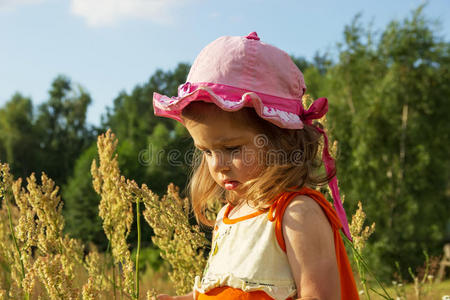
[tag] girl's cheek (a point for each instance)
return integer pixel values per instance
(238, 162)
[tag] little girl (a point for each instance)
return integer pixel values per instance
(276, 237)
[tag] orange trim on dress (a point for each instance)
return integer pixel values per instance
(227, 220)
(227, 293)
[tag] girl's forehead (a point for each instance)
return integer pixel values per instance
(219, 120)
(205, 112)
(217, 132)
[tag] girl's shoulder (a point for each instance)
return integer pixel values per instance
(305, 220)
(304, 209)
(310, 246)
(309, 233)
(303, 205)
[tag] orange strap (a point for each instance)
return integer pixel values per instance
(276, 212)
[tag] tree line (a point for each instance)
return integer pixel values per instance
(389, 97)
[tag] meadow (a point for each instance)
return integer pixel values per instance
(39, 261)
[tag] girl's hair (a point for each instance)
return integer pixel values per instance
(299, 165)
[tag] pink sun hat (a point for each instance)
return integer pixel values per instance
(235, 72)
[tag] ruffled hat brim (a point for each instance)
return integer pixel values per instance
(284, 113)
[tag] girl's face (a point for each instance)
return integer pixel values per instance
(230, 150)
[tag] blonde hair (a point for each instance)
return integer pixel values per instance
(278, 174)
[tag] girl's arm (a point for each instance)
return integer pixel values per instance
(184, 297)
(310, 249)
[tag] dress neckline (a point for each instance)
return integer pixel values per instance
(274, 201)
(227, 220)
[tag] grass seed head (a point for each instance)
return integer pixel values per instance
(359, 234)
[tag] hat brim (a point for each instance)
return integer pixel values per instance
(264, 105)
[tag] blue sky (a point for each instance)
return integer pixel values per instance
(108, 46)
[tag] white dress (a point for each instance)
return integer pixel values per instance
(245, 254)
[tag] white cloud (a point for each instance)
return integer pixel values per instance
(109, 12)
(8, 5)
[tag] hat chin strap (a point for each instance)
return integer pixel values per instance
(317, 110)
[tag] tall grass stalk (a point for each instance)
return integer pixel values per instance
(360, 235)
(120, 282)
(114, 278)
(420, 290)
(103, 269)
(362, 277)
(361, 260)
(138, 222)
(11, 227)
(22, 275)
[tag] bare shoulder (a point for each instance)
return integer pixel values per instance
(304, 209)
(310, 249)
(304, 221)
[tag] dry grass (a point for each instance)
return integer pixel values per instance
(436, 291)
(38, 261)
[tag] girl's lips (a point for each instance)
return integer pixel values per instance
(231, 185)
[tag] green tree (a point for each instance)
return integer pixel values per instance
(167, 158)
(388, 110)
(141, 134)
(132, 116)
(61, 124)
(18, 142)
(133, 121)
(81, 202)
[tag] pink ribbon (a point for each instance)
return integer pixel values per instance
(184, 89)
(317, 110)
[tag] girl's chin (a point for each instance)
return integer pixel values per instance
(237, 192)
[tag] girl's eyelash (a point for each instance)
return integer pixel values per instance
(208, 152)
(232, 148)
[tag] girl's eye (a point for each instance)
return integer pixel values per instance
(207, 152)
(235, 148)
(228, 149)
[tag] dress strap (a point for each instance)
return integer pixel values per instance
(278, 208)
(276, 212)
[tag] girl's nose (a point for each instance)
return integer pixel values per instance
(220, 161)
